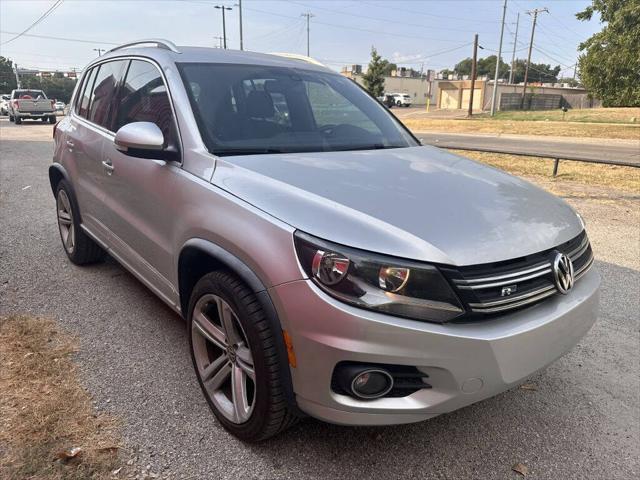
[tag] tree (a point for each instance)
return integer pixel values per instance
(538, 72)
(374, 78)
(54, 87)
(388, 67)
(486, 66)
(7, 77)
(610, 65)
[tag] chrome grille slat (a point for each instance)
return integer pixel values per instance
(503, 276)
(579, 251)
(513, 299)
(518, 304)
(537, 274)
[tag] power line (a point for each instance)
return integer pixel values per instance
(348, 27)
(448, 17)
(66, 39)
(40, 19)
(385, 20)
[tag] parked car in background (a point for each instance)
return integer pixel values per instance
(4, 104)
(59, 106)
(387, 100)
(26, 104)
(326, 262)
(402, 99)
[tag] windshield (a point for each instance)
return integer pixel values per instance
(245, 109)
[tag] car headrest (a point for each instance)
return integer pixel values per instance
(260, 105)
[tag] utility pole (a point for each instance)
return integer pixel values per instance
(239, 4)
(309, 15)
(495, 77)
(473, 74)
(99, 50)
(15, 71)
(224, 26)
(526, 70)
(513, 56)
(219, 41)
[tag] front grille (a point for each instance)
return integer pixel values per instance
(502, 286)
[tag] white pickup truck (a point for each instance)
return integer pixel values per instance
(31, 104)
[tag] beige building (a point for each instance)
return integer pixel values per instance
(419, 88)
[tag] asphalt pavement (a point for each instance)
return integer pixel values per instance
(582, 420)
(622, 152)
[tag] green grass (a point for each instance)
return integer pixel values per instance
(593, 115)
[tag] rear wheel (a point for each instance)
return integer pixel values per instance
(236, 362)
(18, 120)
(52, 119)
(79, 247)
(11, 118)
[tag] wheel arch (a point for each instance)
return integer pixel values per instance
(199, 257)
(56, 173)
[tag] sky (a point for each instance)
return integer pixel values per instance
(426, 34)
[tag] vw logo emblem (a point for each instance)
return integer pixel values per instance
(563, 273)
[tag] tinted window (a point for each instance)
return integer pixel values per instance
(144, 98)
(104, 90)
(82, 106)
(244, 109)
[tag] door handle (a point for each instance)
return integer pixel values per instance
(108, 166)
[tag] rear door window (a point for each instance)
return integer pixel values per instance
(104, 90)
(82, 106)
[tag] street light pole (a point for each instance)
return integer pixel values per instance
(224, 25)
(495, 77)
(99, 50)
(513, 55)
(240, 17)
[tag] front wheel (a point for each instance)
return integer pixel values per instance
(235, 359)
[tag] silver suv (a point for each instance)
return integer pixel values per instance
(326, 263)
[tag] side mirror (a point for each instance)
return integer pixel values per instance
(140, 139)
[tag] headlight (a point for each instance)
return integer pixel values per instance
(377, 282)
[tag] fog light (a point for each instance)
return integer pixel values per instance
(371, 384)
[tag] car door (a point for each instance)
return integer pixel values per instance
(138, 192)
(83, 146)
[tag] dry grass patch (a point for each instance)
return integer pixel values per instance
(620, 179)
(48, 428)
(524, 127)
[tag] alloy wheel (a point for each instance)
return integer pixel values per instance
(223, 358)
(65, 222)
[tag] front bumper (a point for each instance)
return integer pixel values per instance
(465, 362)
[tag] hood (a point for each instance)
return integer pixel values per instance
(421, 203)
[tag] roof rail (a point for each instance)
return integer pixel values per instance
(158, 42)
(296, 56)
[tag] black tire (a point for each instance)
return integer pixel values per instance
(52, 119)
(11, 118)
(271, 413)
(44, 119)
(84, 250)
(18, 120)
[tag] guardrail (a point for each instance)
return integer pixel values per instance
(556, 158)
